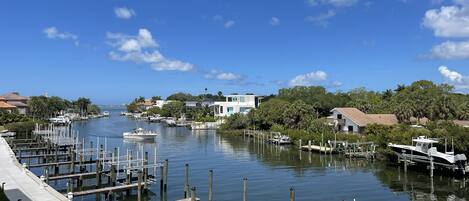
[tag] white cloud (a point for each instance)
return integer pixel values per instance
(308, 79)
(221, 75)
(135, 49)
(54, 33)
(451, 50)
(336, 3)
(450, 75)
(458, 80)
(229, 24)
(321, 19)
(124, 13)
(448, 21)
(274, 21)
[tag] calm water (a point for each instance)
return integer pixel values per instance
(271, 170)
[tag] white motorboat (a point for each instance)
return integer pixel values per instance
(424, 152)
(280, 139)
(106, 114)
(60, 120)
(140, 134)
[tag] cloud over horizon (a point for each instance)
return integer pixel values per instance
(454, 78)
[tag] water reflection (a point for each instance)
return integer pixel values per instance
(271, 169)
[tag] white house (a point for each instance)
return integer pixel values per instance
(352, 120)
(236, 104)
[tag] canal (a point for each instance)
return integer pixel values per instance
(271, 170)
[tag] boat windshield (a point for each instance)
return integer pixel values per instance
(423, 146)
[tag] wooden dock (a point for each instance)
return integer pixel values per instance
(20, 183)
(317, 148)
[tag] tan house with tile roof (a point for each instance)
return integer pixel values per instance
(20, 102)
(352, 120)
(5, 106)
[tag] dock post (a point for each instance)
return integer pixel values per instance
(292, 194)
(299, 146)
(210, 185)
(98, 174)
(431, 166)
(193, 195)
(309, 145)
(161, 180)
(405, 161)
(166, 164)
(139, 187)
(186, 181)
(47, 174)
(145, 173)
(245, 189)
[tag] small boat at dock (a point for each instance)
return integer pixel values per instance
(140, 134)
(106, 114)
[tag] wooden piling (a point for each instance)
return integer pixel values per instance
(193, 194)
(186, 181)
(139, 188)
(210, 185)
(292, 194)
(165, 179)
(245, 189)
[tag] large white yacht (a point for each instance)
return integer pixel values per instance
(424, 150)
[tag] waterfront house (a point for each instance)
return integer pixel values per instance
(145, 105)
(194, 104)
(5, 106)
(20, 102)
(352, 120)
(235, 104)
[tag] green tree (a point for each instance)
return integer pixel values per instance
(181, 97)
(298, 115)
(156, 98)
(173, 109)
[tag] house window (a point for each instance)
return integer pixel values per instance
(241, 99)
(229, 109)
(230, 99)
(244, 109)
(350, 129)
(221, 109)
(339, 116)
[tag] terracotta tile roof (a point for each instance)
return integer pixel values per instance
(362, 119)
(146, 103)
(4, 105)
(14, 97)
(18, 103)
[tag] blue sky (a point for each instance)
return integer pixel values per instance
(113, 51)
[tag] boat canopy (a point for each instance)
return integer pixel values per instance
(425, 140)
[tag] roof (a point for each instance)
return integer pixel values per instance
(18, 103)
(2, 99)
(14, 97)
(362, 119)
(354, 114)
(384, 119)
(146, 103)
(4, 105)
(463, 123)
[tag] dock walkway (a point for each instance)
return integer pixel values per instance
(21, 183)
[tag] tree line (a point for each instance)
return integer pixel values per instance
(300, 112)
